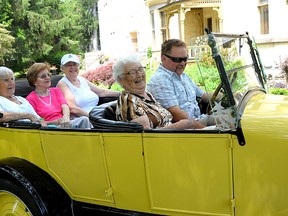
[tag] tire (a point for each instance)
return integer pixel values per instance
(15, 200)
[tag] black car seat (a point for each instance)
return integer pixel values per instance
(104, 117)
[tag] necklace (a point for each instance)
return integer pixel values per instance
(47, 104)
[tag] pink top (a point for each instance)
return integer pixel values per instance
(48, 107)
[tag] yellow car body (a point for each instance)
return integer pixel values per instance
(206, 172)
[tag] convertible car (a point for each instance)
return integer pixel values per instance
(235, 167)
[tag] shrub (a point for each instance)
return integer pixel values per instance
(278, 91)
(278, 88)
(151, 66)
(208, 78)
(279, 85)
(103, 74)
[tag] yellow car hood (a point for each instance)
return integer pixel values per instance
(266, 115)
(267, 105)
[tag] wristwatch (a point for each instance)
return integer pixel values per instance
(1, 115)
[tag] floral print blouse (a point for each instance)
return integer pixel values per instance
(131, 106)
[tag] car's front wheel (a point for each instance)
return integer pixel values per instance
(15, 200)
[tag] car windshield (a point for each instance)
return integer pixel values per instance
(229, 71)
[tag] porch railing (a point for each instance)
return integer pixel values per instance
(196, 50)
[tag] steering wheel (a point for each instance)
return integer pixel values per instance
(213, 98)
(217, 91)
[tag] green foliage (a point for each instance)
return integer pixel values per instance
(151, 66)
(5, 15)
(208, 77)
(19, 74)
(149, 52)
(206, 60)
(278, 91)
(55, 59)
(88, 22)
(205, 73)
(116, 87)
(6, 43)
(43, 29)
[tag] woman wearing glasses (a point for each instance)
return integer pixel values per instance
(81, 95)
(173, 88)
(50, 103)
(136, 104)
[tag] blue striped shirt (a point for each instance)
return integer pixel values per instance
(171, 90)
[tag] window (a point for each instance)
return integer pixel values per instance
(163, 26)
(264, 16)
(153, 26)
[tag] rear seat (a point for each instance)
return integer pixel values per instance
(104, 117)
(22, 87)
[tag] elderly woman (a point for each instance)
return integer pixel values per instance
(136, 104)
(13, 107)
(50, 103)
(81, 95)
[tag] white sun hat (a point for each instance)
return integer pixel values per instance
(69, 58)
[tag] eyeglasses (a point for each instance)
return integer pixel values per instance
(133, 73)
(72, 64)
(177, 59)
(44, 76)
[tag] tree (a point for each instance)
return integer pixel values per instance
(6, 42)
(89, 22)
(45, 29)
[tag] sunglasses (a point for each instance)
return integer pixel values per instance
(176, 59)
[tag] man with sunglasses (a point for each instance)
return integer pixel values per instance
(172, 87)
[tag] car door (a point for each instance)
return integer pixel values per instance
(77, 159)
(189, 172)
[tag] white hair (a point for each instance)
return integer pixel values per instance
(118, 68)
(4, 71)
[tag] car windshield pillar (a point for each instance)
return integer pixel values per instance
(221, 69)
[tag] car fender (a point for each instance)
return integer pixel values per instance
(45, 191)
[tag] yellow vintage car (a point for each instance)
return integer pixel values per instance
(236, 167)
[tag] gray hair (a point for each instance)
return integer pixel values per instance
(4, 71)
(118, 68)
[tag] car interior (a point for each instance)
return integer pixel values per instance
(102, 117)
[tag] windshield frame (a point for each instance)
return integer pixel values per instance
(239, 75)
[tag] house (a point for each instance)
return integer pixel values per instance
(124, 27)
